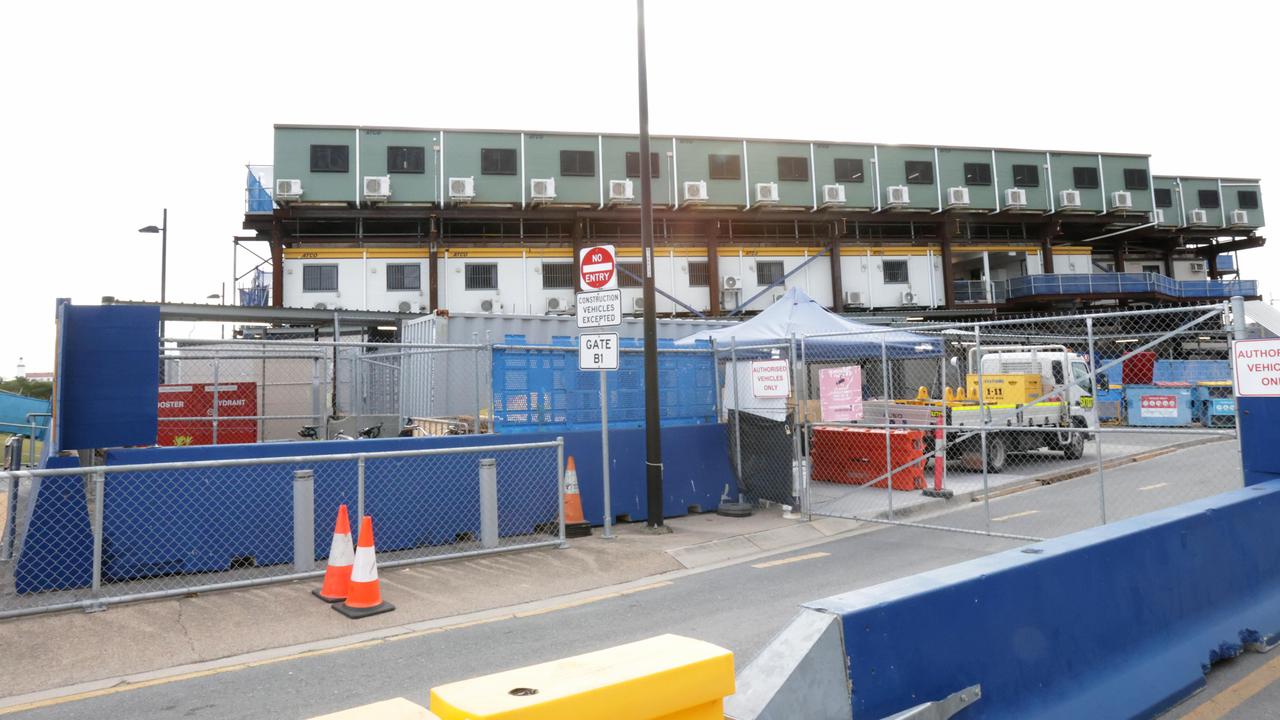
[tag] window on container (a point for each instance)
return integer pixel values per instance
(724, 167)
(1026, 176)
(1209, 199)
(698, 276)
(319, 278)
(404, 159)
(849, 170)
(581, 163)
(481, 276)
(1247, 199)
(769, 272)
(1135, 179)
(1085, 178)
(406, 276)
(557, 276)
(919, 172)
(1152, 269)
(1164, 197)
(633, 165)
(629, 275)
(895, 272)
(793, 168)
(329, 158)
(977, 174)
(497, 161)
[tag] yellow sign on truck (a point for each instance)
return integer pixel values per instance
(1005, 388)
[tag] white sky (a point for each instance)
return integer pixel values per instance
(114, 111)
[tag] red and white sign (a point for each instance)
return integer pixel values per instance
(770, 378)
(1257, 367)
(186, 414)
(1158, 406)
(598, 268)
(840, 389)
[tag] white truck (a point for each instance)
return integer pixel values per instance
(1034, 417)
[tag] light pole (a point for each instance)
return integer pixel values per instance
(164, 254)
(221, 297)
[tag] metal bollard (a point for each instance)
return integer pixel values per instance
(304, 532)
(488, 503)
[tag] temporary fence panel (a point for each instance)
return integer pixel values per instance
(97, 535)
(1020, 434)
(540, 388)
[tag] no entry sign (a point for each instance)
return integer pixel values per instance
(598, 268)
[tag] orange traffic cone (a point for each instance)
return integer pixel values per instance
(575, 525)
(364, 596)
(337, 574)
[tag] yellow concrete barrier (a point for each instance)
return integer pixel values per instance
(396, 709)
(668, 677)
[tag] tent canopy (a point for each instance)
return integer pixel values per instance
(796, 314)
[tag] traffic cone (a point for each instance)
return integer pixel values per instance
(364, 596)
(575, 525)
(337, 573)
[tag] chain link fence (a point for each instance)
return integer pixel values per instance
(949, 426)
(231, 391)
(90, 537)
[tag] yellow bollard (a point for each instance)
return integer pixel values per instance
(922, 393)
(668, 677)
(949, 395)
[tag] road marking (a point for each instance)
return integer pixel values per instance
(126, 686)
(784, 561)
(1236, 695)
(1024, 513)
(1153, 487)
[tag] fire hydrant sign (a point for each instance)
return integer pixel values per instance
(770, 379)
(1257, 367)
(599, 309)
(840, 389)
(598, 351)
(598, 268)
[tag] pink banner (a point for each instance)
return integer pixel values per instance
(841, 392)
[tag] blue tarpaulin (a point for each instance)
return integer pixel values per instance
(13, 414)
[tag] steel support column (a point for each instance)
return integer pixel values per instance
(277, 265)
(1046, 247)
(948, 272)
(576, 235)
(433, 264)
(713, 268)
(837, 286)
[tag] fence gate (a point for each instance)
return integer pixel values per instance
(1023, 428)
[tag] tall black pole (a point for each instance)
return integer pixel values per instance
(164, 258)
(652, 415)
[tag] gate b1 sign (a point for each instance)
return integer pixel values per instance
(1257, 367)
(598, 351)
(598, 268)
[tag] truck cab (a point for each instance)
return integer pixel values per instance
(1064, 375)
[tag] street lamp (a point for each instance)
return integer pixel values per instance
(164, 253)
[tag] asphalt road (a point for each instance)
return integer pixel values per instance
(739, 607)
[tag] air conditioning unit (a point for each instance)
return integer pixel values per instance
(695, 191)
(620, 191)
(638, 303)
(958, 197)
(320, 306)
(898, 195)
(542, 189)
(1159, 216)
(1015, 198)
(832, 195)
(1198, 217)
(377, 187)
(1239, 217)
(1122, 200)
(852, 298)
(462, 189)
(486, 305)
(287, 190)
(1198, 267)
(554, 304)
(1069, 199)
(766, 193)
(908, 298)
(731, 282)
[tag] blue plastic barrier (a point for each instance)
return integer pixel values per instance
(185, 521)
(57, 550)
(1191, 371)
(1117, 621)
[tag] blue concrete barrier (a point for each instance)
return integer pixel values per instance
(1117, 621)
(202, 520)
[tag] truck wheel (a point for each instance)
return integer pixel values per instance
(997, 454)
(1074, 450)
